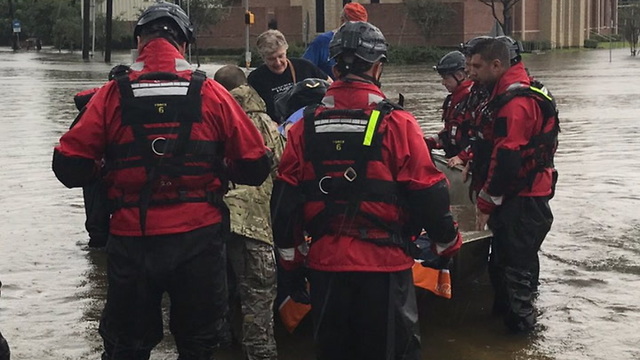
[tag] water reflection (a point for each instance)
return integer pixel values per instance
(54, 287)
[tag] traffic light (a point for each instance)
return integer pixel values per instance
(249, 18)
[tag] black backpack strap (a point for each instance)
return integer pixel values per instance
(193, 110)
(308, 118)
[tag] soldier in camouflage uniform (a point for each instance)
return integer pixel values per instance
(250, 248)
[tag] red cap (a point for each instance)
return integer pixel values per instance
(355, 12)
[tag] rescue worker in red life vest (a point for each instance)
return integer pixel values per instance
(478, 93)
(475, 101)
(515, 54)
(520, 126)
(95, 194)
(357, 176)
(454, 138)
(171, 139)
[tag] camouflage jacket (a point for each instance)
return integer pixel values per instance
(249, 205)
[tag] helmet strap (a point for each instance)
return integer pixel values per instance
(346, 70)
(195, 44)
(373, 80)
(362, 78)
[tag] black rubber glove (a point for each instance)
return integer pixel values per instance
(432, 260)
(428, 257)
(295, 283)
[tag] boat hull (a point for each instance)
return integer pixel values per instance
(471, 261)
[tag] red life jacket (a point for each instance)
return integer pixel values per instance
(340, 156)
(161, 109)
(538, 154)
(457, 121)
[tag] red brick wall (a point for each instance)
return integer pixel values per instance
(472, 18)
(230, 32)
(399, 29)
(531, 20)
(478, 19)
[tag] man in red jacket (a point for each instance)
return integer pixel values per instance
(520, 125)
(171, 140)
(356, 176)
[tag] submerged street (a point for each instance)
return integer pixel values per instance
(54, 286)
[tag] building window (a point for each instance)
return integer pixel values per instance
(375, 1)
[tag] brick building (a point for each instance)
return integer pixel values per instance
(560, 23)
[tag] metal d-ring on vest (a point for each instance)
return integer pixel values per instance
(350, 175)
(163, 142)
(322, 190)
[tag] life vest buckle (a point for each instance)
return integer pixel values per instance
(350, 174)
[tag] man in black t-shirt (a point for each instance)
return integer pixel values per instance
(278, 73)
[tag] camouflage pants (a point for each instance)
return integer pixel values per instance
(253, 265)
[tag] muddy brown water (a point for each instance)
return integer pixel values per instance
(54, 286)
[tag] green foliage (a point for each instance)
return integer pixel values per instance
(220, 52)
(591, 43)
(121, 34)
(66, 31)
(612, 45)
(405, 55)
(56, 22)
(39, 22)
(629, 19)
(59, 22)
(397, 55)
(205, 13)
(606, 38)
(429, 15)
(531, 46)
(294, 51)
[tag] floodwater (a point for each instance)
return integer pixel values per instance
(54, 286)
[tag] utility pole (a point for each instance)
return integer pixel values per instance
(86, 7)
(610, 39)
(15, 42)
(248, 22)
(93, 27)
(108, 30)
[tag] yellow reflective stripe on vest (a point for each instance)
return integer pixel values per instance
(541, 92)
(371, 128)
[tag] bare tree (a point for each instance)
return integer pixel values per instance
(429, 15)
(507, 5)
(206, 13)
(203, 13)
(629, 19)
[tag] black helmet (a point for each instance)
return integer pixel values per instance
(361, 39)
(466, 47)
(515, 48)
(450, 63)
(306, 92)
(171, 12)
